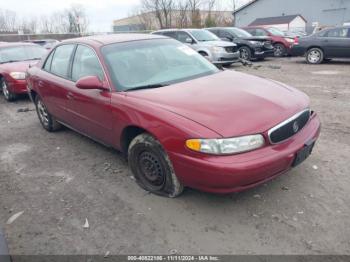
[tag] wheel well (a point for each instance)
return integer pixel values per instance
(128, 134)
(315, 47)
(203, 53)
(33, 94)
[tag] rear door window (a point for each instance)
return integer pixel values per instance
(338, 33)
(182, 36)
(170, 34)
(61, 60)
(260, 32)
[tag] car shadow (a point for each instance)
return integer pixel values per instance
(328, 62)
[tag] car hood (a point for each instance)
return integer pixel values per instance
(21, 66)
(229, 103)
(217, 43)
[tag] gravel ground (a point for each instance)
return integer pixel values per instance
(61, 179)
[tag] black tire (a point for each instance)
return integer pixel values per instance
(280, 50)
(46, 119)
(152, 168)
(314, 56)
(245, 53)
(8, 95)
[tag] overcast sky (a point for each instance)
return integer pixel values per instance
(101, 13)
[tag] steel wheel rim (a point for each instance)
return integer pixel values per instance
(314, 56)
(5, 90)
(151, 170)
(44, 116)
(244, 54)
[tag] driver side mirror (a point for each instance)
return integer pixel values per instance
(90, 82)
(189, 40)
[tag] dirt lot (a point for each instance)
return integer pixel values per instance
(60, 179)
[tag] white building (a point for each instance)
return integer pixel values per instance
(284, 23)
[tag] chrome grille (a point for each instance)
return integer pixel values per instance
(289, 128)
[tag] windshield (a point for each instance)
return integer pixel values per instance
(203, 35)
(153, 63)
(240, 32)
(276, 31)
(21, 53)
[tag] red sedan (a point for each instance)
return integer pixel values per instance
(180, 121)
(15, 59)
(281, 42)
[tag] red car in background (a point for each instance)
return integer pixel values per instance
(15, 59)
(282, 43)
(179, 120)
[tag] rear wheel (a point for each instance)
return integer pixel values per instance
(152, 168)
(314, 56)
(280, 50)
(245, 53)
(46, 119)
(9, 96)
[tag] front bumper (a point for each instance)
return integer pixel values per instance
(227, 174)
(263, 52)
(225, 58)
(17, 86)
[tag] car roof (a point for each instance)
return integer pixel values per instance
(10, 44)
(101, 40)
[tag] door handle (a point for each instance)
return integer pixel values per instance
(41, 84)
(70, 96)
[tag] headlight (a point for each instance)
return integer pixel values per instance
(218, 49)
(226, 146)
(289, 40)
(256, 43)
(18, 75)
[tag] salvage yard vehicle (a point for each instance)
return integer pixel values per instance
(205, 43)
(46, 43)
(250, 47)
(281, 42)
(179, 120)
(15, 59)
(324, 45)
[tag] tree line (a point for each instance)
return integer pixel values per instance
(70, 20)
(183, 13)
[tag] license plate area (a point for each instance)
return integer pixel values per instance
(303, 154)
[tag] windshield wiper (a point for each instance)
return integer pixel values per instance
(146, 87)
(10, 61)
(35, 58)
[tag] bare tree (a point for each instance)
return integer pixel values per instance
(77, 19)
(8, 22)
(182, 18)
(195, 6)
(162, 10)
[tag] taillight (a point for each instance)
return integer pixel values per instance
(296, 40)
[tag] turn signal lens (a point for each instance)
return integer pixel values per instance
(194, 144)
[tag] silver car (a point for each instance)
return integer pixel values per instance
(206, 43)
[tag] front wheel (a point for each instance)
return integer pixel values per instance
(280, 50)
(46, 119)
(152, 168)
(9, 96)
(245, 53)
(314, 56)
